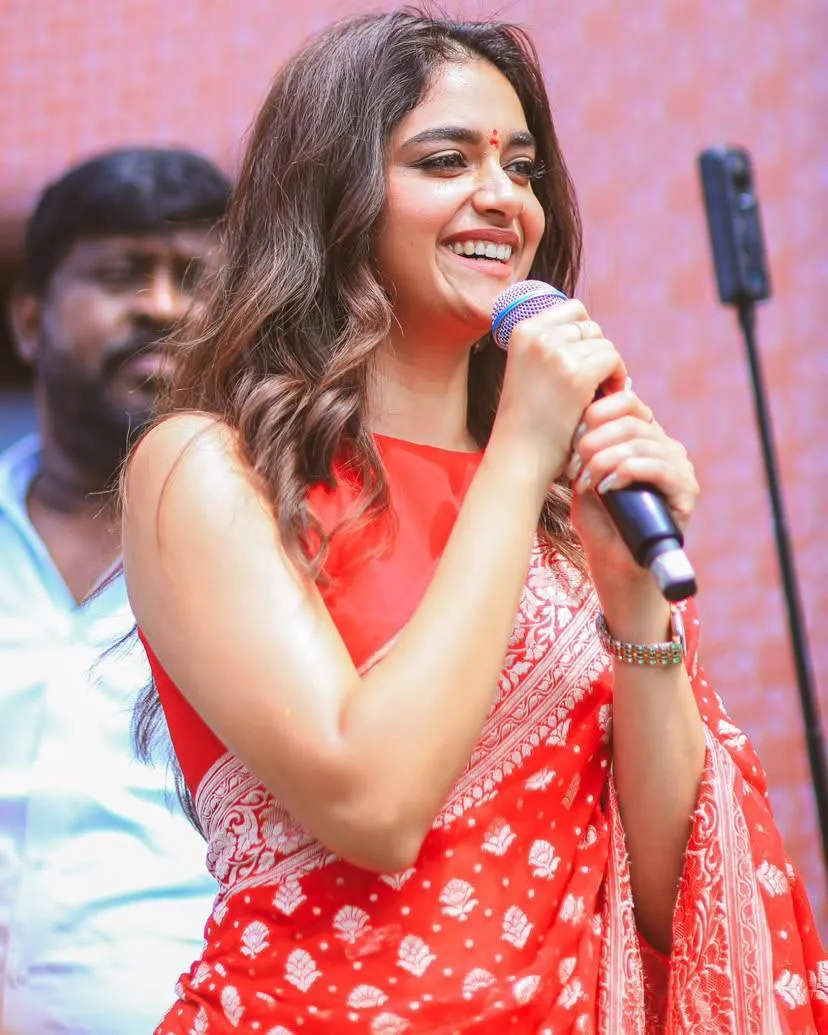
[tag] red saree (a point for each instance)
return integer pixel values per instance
(517, 916)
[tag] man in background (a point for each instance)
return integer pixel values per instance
(103, 888)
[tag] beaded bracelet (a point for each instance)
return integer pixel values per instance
(670, 652)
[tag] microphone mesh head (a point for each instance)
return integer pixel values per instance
(520, 301)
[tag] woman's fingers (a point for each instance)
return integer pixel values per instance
(660, 464)
(619, 442)
(630, 426)
(624, 429)
(581, 330)
(611, 406)
(557, 361)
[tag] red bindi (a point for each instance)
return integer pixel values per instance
(494, 141)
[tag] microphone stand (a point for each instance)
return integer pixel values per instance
(796, 625)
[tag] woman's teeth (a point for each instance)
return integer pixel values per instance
(482, 249)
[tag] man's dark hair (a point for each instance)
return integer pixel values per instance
(135, 190)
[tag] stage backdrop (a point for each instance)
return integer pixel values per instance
(637, 91)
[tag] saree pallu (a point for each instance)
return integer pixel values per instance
(517, 916)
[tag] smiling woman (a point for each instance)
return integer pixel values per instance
(436, 798)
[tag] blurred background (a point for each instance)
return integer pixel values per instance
(637, 91)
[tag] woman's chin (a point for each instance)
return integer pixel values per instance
(476, 314)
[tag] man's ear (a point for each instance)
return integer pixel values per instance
(24, 317)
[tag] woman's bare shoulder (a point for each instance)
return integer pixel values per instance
(195, 448)
(186, 477)
(181, 433)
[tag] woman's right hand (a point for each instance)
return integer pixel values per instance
(556, 363)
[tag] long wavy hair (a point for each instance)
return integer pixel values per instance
(282, 347)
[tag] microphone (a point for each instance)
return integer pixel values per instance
(638, 511)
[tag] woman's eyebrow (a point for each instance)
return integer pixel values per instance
(463, 135)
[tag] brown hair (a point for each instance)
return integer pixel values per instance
(292, 317)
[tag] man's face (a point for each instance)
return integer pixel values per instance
(92, 337)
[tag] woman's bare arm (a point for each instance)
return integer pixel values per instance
(364, 763)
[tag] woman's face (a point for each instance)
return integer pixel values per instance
(461, 220)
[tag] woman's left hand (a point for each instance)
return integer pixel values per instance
(618, 443)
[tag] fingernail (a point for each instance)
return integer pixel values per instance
(607, 483)
(580, 431)
(584, 482)
(575, 465)
(628, 385)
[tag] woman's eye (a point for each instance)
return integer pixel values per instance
(454, 160)
(526, 168)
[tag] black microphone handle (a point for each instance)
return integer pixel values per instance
(654, 539)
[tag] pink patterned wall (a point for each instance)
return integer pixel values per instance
(638, 91)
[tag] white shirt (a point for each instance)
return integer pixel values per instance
(103, 888)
